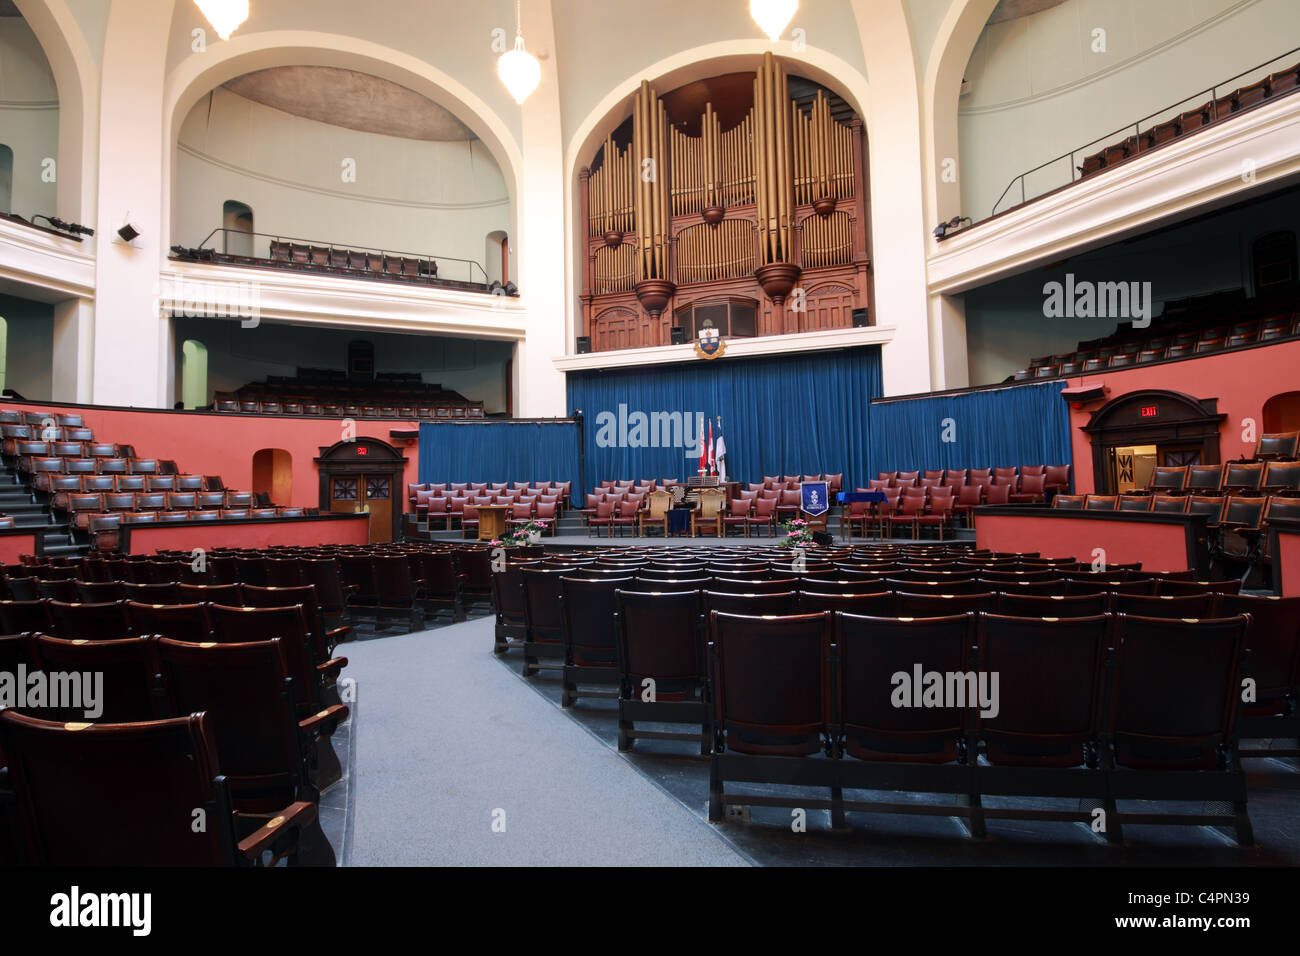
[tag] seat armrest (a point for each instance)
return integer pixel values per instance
(324, 723)
(332, 667)
(294, 816)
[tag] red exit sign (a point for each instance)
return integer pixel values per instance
(1150, 411)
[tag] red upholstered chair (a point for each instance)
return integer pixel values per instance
(969, 497)
(940, 513)
(788, 505)
(1004, 476)
(905, 478)
(1032, 489)
(626, 517)
(955, 477)
(763, 516)
(737, 516)
(603, 516)
(546, 511)
(469, 520)
(912, 507)
(997, 494)
(1058, 479)
(520, 514)
(979, 475)
(858, 513)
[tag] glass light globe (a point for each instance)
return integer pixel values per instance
(773, 16)
(224, 15)
(519, 71)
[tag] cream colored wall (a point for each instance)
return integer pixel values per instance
(439, 198)
(1038, 90)
(29, 117)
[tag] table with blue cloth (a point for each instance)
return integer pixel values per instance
(679, 520)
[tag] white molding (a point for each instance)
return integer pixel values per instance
(736, 348)
(306, 299)
(52, 263)
(1189, 176)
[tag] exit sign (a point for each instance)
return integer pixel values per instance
(1150, 411)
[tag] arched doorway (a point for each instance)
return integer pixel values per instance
(194, 374)
(237, 221)
(364, 475)
(273, 474)
(1140, 430)
(1282, 413)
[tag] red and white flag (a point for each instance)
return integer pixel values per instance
(704, 451)
(713, 470)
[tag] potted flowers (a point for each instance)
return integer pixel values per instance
(530, 533)
(797, 534)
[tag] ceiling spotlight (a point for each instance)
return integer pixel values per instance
(496, 288)
(224, 15)
(773, 16)
(519, 69)
(129, 232)
(511, 288)
(941, 230)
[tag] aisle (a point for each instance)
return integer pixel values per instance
(446, 736)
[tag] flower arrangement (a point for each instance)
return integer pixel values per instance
(797, 534)
(523, 534)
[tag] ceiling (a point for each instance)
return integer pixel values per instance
(351, 100)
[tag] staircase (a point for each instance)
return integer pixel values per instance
(22, 504)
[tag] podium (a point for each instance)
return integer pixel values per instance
(491, 522)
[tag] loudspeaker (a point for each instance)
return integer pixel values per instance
(823, 539)
(677, 335)
(860, 320)
(584, 344)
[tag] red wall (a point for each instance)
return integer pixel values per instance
(1287, 560)
(224, 444)
(13, 546)
(1242, 381)
(148, 538)
(1160, 547)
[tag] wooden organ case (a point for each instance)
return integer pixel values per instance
(756, 229)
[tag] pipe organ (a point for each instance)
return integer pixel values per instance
(769, 210)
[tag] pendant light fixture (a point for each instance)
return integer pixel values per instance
(773, 16)
(519, 69)
(224, 15)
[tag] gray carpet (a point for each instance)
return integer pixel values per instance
(449, 737)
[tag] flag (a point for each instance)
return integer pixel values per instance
(720, 451)
(711, 462)
(704, 451)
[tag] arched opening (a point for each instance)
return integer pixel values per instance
(273, 475)
(194, 374)
(1282, 413)
(766, 158)
(496, 256)
(237, 221)
(6, 179)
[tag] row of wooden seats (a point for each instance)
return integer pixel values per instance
(561, 609)
(1276, 471)
(252, 681)
(335, 259)
(423, 412)
(1277, 84)
(1173, 335)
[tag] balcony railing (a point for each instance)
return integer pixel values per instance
(234, 246)
(1201, 109)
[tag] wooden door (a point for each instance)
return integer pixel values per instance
(353, 494)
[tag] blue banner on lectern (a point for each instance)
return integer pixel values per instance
(815, 498)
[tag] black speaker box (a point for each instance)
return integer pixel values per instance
(584, 344)
(678, 335)
(860, 319)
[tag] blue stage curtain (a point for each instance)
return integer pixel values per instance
(992, 428)
(787, 414)
(501, 451)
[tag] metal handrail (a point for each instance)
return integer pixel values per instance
(1135, 127)
(319, 244)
